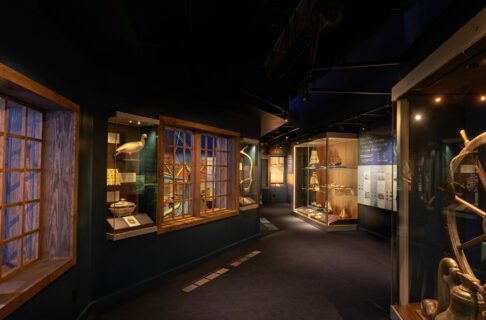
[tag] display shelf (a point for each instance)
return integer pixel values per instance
(131, 176)
(326, 177)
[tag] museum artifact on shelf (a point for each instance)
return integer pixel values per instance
(131, 175)
(249, 184)
(325, 188)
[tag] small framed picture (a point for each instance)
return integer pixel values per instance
(131, 221)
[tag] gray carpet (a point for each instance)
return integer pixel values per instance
(302, 273)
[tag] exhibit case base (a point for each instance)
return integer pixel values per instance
(129, 226)
(408, 312)
(334, 222)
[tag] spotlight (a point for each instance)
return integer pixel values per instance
(130, 121)
(482, 98)
(418, 117)
(139, 123)
(438, 99)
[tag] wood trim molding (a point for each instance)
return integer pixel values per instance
(184, 124)
(21, 87)
(456, 45)
(22, 286)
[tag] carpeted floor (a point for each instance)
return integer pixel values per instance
(301, 273)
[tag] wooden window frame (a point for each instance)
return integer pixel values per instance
(58, 212)
(196, 216)
(5, 135)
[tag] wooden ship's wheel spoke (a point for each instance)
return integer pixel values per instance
(472, 242)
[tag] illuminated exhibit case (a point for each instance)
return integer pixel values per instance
(440, 248)
(325, 188)
(131, 175)
(249, 168)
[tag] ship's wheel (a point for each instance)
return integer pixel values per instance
(469, 157)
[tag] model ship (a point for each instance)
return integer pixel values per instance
(334, 158)
(314, 182)
(314, 159)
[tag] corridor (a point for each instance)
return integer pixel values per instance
(301, 273)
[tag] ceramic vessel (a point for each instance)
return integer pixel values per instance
(122, 208)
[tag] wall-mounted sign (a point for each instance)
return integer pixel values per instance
(377, 172)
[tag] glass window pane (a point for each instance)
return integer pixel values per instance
(188, 139)
(11, 222)
(15, 153)
(10, 256)
(15, 118)
(31, 247)
(32, 185)
(210, 142)
(34, 124)
(179, 139)
(13, 187)
(31, 216)
(168, 136)
(33, 155)
(223, 158)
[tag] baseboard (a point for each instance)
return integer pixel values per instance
(139, 285)
(378, 235)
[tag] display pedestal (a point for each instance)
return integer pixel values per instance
(334, 223)
(120, 229)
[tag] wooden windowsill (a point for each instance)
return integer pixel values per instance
(17, 289)
(178, 224)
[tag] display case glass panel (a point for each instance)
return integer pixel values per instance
(325, 188)
(132, 180)
(249, 184)
(441, 245)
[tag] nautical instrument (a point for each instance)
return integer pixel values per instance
(250, 178)
(460, 293)
(131, 147)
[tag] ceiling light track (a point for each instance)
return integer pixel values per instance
(350, 92)
(359, 66)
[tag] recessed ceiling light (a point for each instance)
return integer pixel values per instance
(482, 98)
(438, 99)
(139, 123)
(418, 117)
(130, 121)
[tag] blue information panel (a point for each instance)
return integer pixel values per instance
(377, 172)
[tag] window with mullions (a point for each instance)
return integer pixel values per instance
(21, 170)
(177, 170)
(214, 173)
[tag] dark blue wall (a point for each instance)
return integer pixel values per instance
(32, 46)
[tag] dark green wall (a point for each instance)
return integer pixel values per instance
(32, 46)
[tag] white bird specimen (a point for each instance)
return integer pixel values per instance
(131, 147)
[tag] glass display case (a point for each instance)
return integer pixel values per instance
(249, 184)
(325, 188)
(440, 248)
(131, 175)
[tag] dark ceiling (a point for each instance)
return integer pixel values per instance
(223, 45)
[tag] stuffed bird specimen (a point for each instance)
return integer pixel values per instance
(132, 147)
